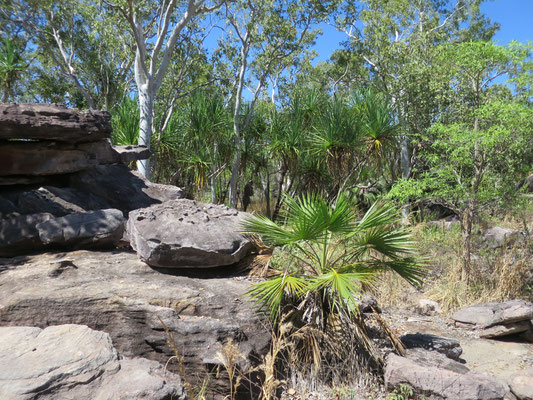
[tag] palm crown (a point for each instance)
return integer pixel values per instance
(331, 254)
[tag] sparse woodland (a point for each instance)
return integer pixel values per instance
(379, 171)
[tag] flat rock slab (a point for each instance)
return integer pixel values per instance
(498, 358)
(498, 236)
(186, 234)
(74, 362)
(447, 346)
(129, 154)
(52, 122)
(521, 384)
(121, 188)
(51, 158)
(489, 314)
(117, 293)
(511, 328)
(443, 383)
(19, 235)
(102, 228)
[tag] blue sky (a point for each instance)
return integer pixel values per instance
(514, 16)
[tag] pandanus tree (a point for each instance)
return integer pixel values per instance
(12, 65)
(329, 256)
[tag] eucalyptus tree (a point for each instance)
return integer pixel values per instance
(474, 153)
(394, 41)
(155, 32)
(263, 39)
(80, 41)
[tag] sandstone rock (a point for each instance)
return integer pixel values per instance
(489, 314)
(75, 362)
(435, 359)
(521, 384)
(449, 347)
(128, 154)
(20, 235)
(186, 234)
(115, 292)
(53, 122)
(103, 228)
(367, 302)
(528, 335)
(427, 307)
(21, 180)
(505, 330)
(498, 237)
(443, 383)
(122, 189)
(7, 208)
(50, 158)
(57, 201)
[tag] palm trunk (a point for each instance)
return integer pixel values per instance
(283, 173)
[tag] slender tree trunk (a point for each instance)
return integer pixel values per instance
(266, 188)
(146, 109)
(283, 173)
(466, 236)
(213, 178)
(406, 170)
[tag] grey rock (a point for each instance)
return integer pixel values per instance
(121, 188)
(427, 307)
(75, 362)
(488, 314)
(521, 384)
(435, 359)
(19, 235)
(367, 302)
(51, 158)
(103, 228)
(115, 292)
(445, 223)
(449, 347)
(498, 237)
(57, 201)
(7, 208)
(442, 383)
(186, 234)
(506, 329)
(129, 154)
(53, 122)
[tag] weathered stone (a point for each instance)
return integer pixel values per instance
(449, 347)
(102, 228)
(21, 180)
(445, 223)
(489, 314)
(57, 201)
(50, 158)
(129, 154)
(498, 237)
(186, 234)
(117, 293)
(19, 235)
(75, 362)
(121, 188)
(521, 384)
(53, 122)
(367, 302)
(427, 307)
(505, 330)
(527, 335)
(435, 359)
(7, 208)
(442, 383)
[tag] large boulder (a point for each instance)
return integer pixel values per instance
(58, 201)
(447, 346)
(53, 122)
(19, 234)
(521, 384)
(489, 314)
(497, 236)
(102, 228)
(121, 188)
(442, 383)
(186, 234)
(130, 153)
(75, 362)
(116, 293)
(51, 158)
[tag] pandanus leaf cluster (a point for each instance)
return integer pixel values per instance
(330, 253)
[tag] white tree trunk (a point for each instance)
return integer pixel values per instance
(146, 110)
